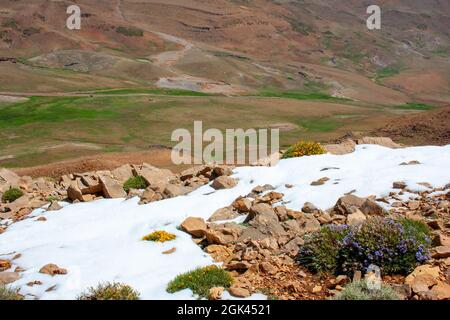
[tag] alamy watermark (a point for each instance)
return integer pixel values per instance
(73, 22)
(233, 146)
(374, 20)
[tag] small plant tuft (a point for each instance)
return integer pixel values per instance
(12, 194)
(201, 280)
(137, 182)
(8, 293)
(360, 291)
(304, 148)
(110, 291)
(159, 236)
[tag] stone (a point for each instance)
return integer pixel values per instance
(260, 209)
(174, 190)
(345, 147)
(215, 293)
(22, 202)
(194, 226)
(356, 217)
(311, 225)
(413, 205)
(170, 251)
(308, 207)
(4, 265)
(442, 240)
(219, 253)
(242, 204)
(320, 182)
(261, 189)
(8, 277)
(345, 204)
(155, 177)
(149, 195)
(224, 182)
(370, 207)
(399, 185)
(410, 163)
(441, 252)
(440, 291)
(54, 206)
(357, 275)
(123, 173)
(268, 268)
(422, 283)
(52, 269)
(222, 214)
(381, 141)
(282, 213)
(74, 193)
(342, 280)
(403, 290)
(42, 219)
(239, 292)
(111, 188)
(8, 177)
(423, 269)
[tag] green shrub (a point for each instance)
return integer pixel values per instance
(304, 148)
(12, 194)
(201, 280)
(110, 291)
(7, 293)
(396, 246)
(130, 31)
(360, 291)
(137, 182)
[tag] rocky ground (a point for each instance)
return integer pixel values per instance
(256, 237)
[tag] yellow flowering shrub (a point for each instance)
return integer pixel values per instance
(304, 148)
(159, 236)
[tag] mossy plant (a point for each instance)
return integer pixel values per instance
(360, 291)
(8, 293)
(137, 182)
(110, 291)
(12, 194)
(201, 280)
(159, 236)
(304, 148)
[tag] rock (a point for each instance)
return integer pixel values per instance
(42, 219)
(345, 147)
(8, 277)
(2, 229)
(74, 193)
(441, 252)
(54, 206)
(399, 185)
(4, 265)
(123, 173)
(170, 251)
(423, 269)
(403, 290)
(239, 292)
(357, 275)
(311, 225)
(52, 269)
(282, 213)
(155, 177)
(260, 209)
(22, 202)
(345, 204)
(410, 163)
(320, 182)
(112, 188)
(194, 172)
(8, 177)
(268, 268)
(150, 195)
(342, 280)
(439, 292)
(370, 207)
(316, 289)
(308, 207)
(356, 217)
(242, 204)
(381, 141)
(224, 182)
(261, 189)
(442, 240)
(215, 293)
(194, 226)
(173, 190)
(219, 253)
(422, 283)
(222, 214)
(222, 171)
(413, 205)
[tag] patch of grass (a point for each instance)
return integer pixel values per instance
(130, 31)
(12, 194)
(110, 291)
(415, 106)
(156, 91)
(360, 291)
(301, 95)
(52, 199)
(304, 148)
(159, 236)
(320, 125)
(201, 280)
(137, 182)
(8, 293)
(388, 71)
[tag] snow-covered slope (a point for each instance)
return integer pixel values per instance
(101, 241)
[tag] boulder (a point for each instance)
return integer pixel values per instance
(9, 178)
(423, 269)
(224, 182)
(175, 190)
(54, 206)
(440, 291)
(219, 253)
(242, 204)
(423, 283)
(155, 177)
(381, 141)
(441, 252)
(346, 203)
(8, 277)
(320, 182)
(22, 202)
(371, 208)
(74, 193)
(194, 226)
(123, 173)
(357, 217)
(399, 185)
(308, 207)
(345, 147)
(52, 269)
(259, 209)
(112, 188)
(4, 265)
(149, 195)
(226, 213)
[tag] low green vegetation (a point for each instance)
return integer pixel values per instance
(388, 71)
(301, 95)
(304, 148)
(360, 291)
(415, 106)
(12, 194)
(8, 293)
(137, 182)
(396, 246)
(110, 291)
(320, 124)
(201, 280)
(155, 91)
(130, 31)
